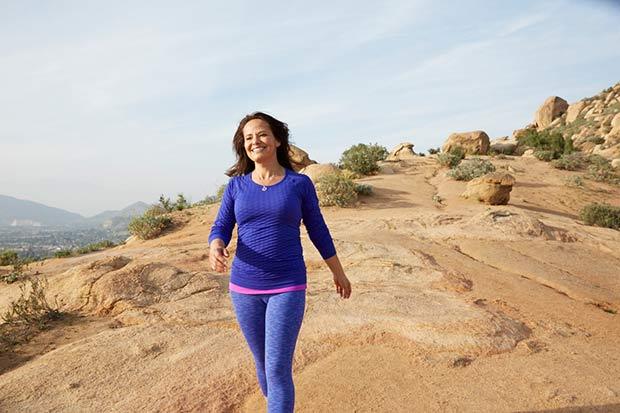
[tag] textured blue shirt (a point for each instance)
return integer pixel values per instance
(269, 252)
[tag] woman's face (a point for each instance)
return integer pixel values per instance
(259, 142)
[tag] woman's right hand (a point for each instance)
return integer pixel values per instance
(218, 255)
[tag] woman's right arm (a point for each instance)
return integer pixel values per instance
(221, 231)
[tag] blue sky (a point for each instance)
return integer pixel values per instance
(106, 103)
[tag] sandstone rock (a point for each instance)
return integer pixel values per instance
(503, 145)
(474, 143)
(385, 168)
(573, 111)
(493, 188)
(615, 122)
(615, 163)
(528, 153)
(551, 109)
(299, 158)
(314, 171)
(403, 151)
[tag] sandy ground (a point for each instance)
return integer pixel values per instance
(456, 306)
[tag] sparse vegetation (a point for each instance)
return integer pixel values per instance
(452, 158)
(470, 169)
(570, 162)
(363, 189)
(27, 315)
(547, 145)
(362, 158)
(8, 257)
(96, 246)
(433, 151)
(335, 189)
(574, 181)
(347, 173)
(601, 215)
(600, 170)
(597, 140)
(151, 224)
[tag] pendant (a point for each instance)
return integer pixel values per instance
(264, 188)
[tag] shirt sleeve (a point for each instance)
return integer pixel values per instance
(225, 221)
(314, 222)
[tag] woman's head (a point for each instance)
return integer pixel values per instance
(258, 136)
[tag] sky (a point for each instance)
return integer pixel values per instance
(106, 103)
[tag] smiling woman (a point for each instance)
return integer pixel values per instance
(269, 200)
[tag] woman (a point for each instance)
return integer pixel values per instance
(268, 199)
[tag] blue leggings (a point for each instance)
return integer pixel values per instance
(271, 324)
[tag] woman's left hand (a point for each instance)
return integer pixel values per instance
(343, 286)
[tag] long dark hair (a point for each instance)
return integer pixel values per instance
(279, 129)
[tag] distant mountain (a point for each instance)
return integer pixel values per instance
(20, 212)
(118, 220)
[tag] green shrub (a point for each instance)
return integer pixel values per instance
(165, 204)
(335, 189)
(150, 225)
(8, 257)
(471, 169)
(433, 151)
(547, 141)
(347, 173)
(570, 162)
(574, 181)
(452, 158)
(603, 172)
(601, 215)
(362, 158)
(597, 140)
(544, 155)
(220, 192)
(363, 189)
(181, 203)
(63, 253)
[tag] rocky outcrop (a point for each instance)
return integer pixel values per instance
(314, 171)
(474, 143)
(299, 158)
(503, 145)
(493, 188)
(402, 152)
(593, 123)
(551, 109)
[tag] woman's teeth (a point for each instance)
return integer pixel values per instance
(258, 150)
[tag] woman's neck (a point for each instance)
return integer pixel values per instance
(268, 170)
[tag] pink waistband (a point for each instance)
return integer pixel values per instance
(243, 290)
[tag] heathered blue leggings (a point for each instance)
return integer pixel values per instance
(271, 324)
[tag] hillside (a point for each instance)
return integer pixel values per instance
(457, 306)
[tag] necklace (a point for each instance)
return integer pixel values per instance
(264, 188)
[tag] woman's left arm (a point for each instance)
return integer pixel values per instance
(321, 238)
(343, 286)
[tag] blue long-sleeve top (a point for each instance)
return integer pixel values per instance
(269, 253)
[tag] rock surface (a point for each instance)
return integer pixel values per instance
(474, 143)
(457, 307)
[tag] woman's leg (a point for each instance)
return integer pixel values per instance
(250, 311)
(285, 312)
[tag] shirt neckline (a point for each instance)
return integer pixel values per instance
(286, 173)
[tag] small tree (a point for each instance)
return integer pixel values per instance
(181, 203)
(165, 203)
(362, 158)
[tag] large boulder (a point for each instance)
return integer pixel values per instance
(474, 143)
(299, 158)
(402, 152)
(503, 145)
(550, 110)
(493, 188)
(574, 110)
(315, 170)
